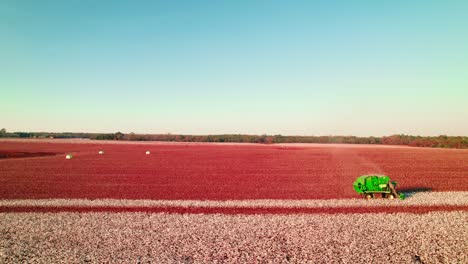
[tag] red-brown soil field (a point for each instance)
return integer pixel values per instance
(206, 171)
(228, 203)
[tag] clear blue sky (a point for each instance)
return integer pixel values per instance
(210, 67)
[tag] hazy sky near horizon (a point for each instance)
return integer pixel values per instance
(210, 67)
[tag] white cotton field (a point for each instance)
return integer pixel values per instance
(437, 237)
(417, 199)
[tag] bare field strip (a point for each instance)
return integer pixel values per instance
(437, 237)
(236, 210)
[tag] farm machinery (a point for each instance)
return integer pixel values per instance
(370, 185)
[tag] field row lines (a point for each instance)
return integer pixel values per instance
(417, 199)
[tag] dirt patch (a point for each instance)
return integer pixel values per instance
(13, 155)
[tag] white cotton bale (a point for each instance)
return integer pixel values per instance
(148, 152)
(68, 156)
(101, 152)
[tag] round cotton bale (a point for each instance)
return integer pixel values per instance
(101, 152)
(69, 156)
(148, 152)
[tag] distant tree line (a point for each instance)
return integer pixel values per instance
(416, 141)
(431, 142)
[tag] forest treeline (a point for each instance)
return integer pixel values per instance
(416, 141)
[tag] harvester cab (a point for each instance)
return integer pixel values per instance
(369, 185)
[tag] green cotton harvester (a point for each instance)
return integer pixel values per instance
(369, 185)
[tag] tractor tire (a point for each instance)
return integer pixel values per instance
(384, 195)
(390, 196)
(369, 196)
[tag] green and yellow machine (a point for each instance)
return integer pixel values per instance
(369, 185)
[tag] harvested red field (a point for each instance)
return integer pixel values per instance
(229, 203)
(219, 172)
